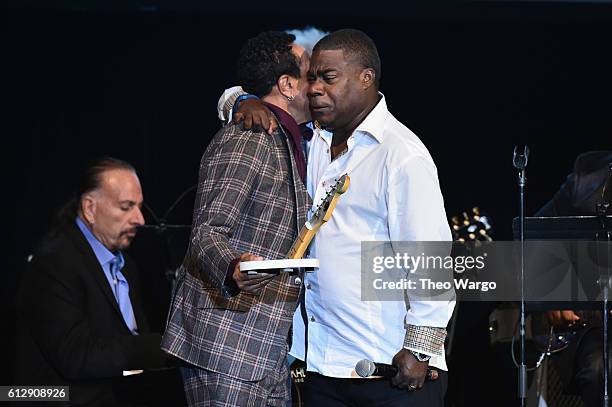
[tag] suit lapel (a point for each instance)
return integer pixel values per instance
(91, 263)
(299, 190)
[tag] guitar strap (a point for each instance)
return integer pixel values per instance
(305, 319)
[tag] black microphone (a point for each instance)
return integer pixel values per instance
(367, 368)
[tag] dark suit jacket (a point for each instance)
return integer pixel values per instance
(70, 329)
(250, 199)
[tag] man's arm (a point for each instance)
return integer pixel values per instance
(251, 113)
(226, 103)
(416, 213)
(229, 172)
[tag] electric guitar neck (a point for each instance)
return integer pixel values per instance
(321, 214)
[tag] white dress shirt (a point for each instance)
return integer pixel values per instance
(394, 195)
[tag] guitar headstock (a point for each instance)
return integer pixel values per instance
(324, 210)
(471, 227)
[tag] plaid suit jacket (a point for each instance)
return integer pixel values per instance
(250, 199)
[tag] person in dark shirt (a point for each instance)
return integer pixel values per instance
(585, 190)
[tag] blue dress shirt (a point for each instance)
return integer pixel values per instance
(111, 265)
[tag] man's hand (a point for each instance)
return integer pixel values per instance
(410, 372)
(562, 318)
(251, 283)
(254, 114)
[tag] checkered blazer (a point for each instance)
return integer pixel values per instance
(250, 199)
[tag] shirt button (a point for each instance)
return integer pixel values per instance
(308, 286)
(312, 319)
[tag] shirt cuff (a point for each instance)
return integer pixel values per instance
(230, 289)
(425, 339)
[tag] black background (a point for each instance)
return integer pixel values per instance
(140, 81)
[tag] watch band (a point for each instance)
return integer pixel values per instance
(421, 357)
(240, 99)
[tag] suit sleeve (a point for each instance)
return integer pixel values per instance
(229, 173)
(561, 203)
(416, 214)
(54, 303)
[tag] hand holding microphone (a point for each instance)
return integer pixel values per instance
(414, 372)
(366, 368)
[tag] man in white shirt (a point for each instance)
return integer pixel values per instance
(394, 196)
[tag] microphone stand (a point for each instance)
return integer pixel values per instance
(161, 227)
(520, 162)
(604, 279)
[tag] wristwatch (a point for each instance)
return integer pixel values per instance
(421, 357)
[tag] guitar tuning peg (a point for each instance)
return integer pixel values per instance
(476, 211)
(455, 220)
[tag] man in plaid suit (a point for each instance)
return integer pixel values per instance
(232, 329)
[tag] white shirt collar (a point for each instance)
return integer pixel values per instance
(374, 123)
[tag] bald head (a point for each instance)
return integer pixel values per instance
(357, 47)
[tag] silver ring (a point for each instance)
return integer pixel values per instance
(412, 386)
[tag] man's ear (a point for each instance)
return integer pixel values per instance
(88, 208)
(287, 86)
(368, 78)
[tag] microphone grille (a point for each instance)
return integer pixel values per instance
(365, 368)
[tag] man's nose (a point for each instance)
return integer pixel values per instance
(138, 219)
(315, 89)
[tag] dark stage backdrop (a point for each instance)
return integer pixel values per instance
(140, 81)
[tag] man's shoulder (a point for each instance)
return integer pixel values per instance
(57, 256)
(402, 143)
(232, 143)
(55, 243)
(592, 161)
(236, 134)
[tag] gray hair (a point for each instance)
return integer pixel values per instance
(307, 37)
